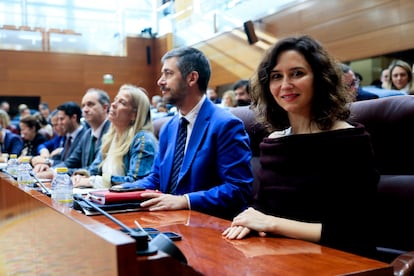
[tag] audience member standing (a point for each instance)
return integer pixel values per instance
(305, 180)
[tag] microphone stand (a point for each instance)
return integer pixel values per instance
(141, 237)
(45, 189)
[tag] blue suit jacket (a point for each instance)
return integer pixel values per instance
(12, 144)
(216, 173)
(56, 142)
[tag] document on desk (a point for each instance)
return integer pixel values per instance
(109, 208)
(108, 197)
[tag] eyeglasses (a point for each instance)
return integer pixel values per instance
(354, 83)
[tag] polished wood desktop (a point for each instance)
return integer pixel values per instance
(44, 238)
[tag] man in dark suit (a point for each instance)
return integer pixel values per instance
(95, 107)
(69, 119)
(215, 176)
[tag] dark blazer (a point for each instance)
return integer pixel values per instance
(216, 173)
(13, 143)
(73, 145)
(79, 157)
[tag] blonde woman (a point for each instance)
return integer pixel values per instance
(129, 147)
(229, 99)
(400, 77)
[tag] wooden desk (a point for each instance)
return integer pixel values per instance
(210, 254)
(38, 237)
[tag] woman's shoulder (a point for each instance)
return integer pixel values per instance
(145, 135)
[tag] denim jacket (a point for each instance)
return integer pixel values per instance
(138, 161)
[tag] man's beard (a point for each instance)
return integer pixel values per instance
(243, 102)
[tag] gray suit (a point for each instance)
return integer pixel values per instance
(79, 156)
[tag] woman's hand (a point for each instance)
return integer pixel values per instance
(245, 222)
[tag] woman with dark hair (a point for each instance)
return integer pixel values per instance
(309, 190)
(32, 138)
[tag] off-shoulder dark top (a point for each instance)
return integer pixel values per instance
(328, 177)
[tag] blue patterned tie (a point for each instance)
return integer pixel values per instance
(178, 154)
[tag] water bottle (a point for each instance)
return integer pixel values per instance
(12, 165)
(24, 179)
(62, 187)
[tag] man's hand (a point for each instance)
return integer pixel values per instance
(164, 202)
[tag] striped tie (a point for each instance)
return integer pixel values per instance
(178, 154)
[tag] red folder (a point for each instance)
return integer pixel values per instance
(108, 197)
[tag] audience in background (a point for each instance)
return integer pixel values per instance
(10, 142)
(129, 147)
(213, 96)
(229, 99)
(213, 172)
(352, 83)
(4, 105)
(32, 138)
(400, 77)
(95, 106)
(23, 110)
(241, 89)
(155, 100)
(6, 124)
(44, 110)
(385, 75)
(53, 147)
(305, 180)
(46, 128)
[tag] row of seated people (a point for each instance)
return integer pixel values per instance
(306, 180)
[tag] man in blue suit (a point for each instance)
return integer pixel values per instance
(215, 176)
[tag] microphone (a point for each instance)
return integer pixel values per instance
(45, 189)
(160, 242)
(9, 174)
(141, 237)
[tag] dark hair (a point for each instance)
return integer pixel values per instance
(44, 105)
(103, 97)
(240, 83)
(190, 59)
(330, 96)
(31, 121)
(70, 109)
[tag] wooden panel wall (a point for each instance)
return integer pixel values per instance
(350, 30)
(58, 77)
